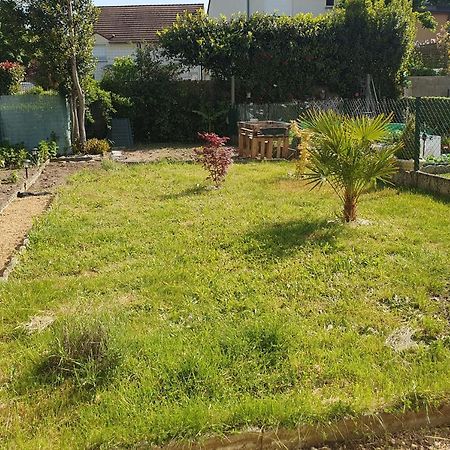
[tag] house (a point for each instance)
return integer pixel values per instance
(120, 30)
(442, 15)
(289, 7)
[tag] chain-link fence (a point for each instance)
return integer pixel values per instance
(421, 124)
(29, 119)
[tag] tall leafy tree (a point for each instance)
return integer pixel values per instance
(14, 36)
(63, 34)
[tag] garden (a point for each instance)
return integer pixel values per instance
(151, 306)
(180, 295)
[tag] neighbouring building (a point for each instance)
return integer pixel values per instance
(442, 15)
(289, 7)
(120, 30)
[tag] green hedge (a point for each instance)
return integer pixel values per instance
(279, 58)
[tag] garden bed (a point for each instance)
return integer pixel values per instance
(156, 153)
(9, 185)
(247, 307)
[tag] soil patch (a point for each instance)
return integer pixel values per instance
(428, 439)
(16, 221)
(57, 172)
(7, 188)
(151, 155)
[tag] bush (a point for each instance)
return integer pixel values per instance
(39, 90)
(83, 350)
(46, 150)
(160, 106)
(215, 157)
(13, 156)
(97, 147)
(11, 75)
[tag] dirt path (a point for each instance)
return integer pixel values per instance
(18, 218)
(15, 223)
(151, 155)
(428, 439)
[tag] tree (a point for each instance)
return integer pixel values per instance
(14, 36)
(344, 153)
(63, 36)
(424, 15)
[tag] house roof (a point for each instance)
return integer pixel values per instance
(123, 24)
(439, 9)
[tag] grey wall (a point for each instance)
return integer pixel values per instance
(429, 87)
(425, 181)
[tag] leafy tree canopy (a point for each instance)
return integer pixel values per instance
(14, 36)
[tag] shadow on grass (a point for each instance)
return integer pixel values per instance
(284, 238)
(189, 192)
(441, 198)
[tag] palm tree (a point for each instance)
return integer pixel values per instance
(349, 153)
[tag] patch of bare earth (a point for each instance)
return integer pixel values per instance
(17, 218)
(16, 221)
(8, 183)
(152, 155)
(434, 439)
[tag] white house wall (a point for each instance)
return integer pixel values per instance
(226, 7)
(289, 7)
(106, 53)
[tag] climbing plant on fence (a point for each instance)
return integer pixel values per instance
(285, 57)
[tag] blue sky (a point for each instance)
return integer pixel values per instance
(144, 2)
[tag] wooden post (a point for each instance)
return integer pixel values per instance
(285, 150)
(269, 153)
(254, 146)
(241, 138)
(233, 90)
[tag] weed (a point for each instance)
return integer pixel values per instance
(82, 349)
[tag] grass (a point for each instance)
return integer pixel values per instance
(247, 306)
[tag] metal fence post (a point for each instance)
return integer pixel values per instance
(417, 135)
(1, 134)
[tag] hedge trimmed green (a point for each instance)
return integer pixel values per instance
(288, 57)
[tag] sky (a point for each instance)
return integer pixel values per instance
(145, 2)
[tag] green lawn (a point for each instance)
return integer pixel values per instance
(247, 306)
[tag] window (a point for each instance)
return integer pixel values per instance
(329, 3)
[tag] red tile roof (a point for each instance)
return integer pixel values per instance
(123, 24)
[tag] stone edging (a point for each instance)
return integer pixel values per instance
(346, 430)
(18, 252)
(425, 181)
(29, 183)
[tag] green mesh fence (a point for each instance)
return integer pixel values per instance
(29, 119)
(421, 124)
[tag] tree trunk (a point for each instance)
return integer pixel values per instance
(75, 131)
(350, 203)
(77, 90)
(81, 101)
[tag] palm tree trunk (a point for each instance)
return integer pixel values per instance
(350, 204)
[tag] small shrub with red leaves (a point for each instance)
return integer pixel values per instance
(215, 157)
(11, 75)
